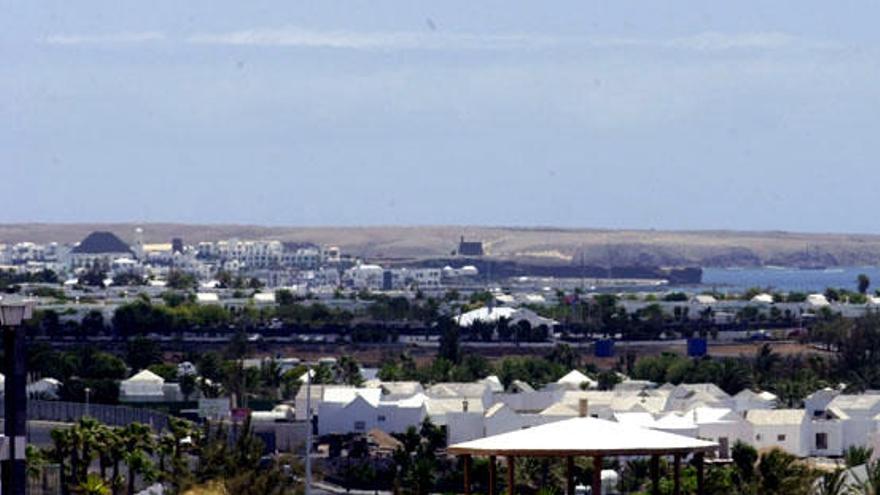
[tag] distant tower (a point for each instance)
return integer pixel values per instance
(176, 245)
(139, 243)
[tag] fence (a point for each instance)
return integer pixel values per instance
(46, 482)
(69, 412)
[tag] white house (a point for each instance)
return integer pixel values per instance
(348, 410)
(358, 410)
(44, 388)
(817, 301)
(817, 402)
(827, 433)
(747, 399)
(722, 425)
(489, 314)
(685, 397)
(364, 276)
(858, 414)
(704, 299)
(763, 298)
(575, 380)
(787, 429)
(207, 298)
(144, 386)
(316, 397)
(264, 298)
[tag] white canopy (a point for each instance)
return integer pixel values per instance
(583, 436)
(576, 378)
(144, 384)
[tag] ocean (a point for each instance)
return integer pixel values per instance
(788, 279)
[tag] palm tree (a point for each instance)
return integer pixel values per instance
(856, 455)
(139, 464)
(36, 462)
(783, 474)
(116, 453)
(348, 371)
(871, 484)
(172, 448)
(765, 362)
(92, 485)
(106, 437)
(139, 444)
(61, 450)
(732, 376)
(833, 483)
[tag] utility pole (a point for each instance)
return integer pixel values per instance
(308, 430)
(12, 315)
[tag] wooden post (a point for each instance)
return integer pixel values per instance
(676, 475)
(597, 475)
(493, 475)
(655, 474)
(511, 475)
(467, 474)
(698, 460)
(569, 475)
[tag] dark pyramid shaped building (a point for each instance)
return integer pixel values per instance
(102, 243)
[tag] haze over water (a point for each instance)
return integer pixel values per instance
(788, 279)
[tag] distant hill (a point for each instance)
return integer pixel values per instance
(535, 245)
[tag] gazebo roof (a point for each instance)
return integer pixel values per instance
(583, 437)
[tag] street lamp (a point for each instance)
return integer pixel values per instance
(12, 314)
(87, 391)
(308, 489)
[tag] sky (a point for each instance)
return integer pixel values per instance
(748, 115)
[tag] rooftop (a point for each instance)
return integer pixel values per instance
(101, 243)
(776, 417)
(583, 436)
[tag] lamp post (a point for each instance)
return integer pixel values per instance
(308, 490)
(88, 392)
(12, 314)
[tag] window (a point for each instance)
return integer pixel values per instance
(724, 448)
(758, 437)
(780, 438)
(381, 419)
(360, 426)
(821, 441)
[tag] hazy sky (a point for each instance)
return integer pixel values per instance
(646, 114)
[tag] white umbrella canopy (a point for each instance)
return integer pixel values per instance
(583, 437)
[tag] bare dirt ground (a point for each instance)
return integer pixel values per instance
(372, 356)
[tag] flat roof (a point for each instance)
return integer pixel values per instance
(583, 437)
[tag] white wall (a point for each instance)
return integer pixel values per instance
(856, 431)
(334, 417)
(766, 437)
(464, 426)
(398, 419)
(834, 430)
(731, 430)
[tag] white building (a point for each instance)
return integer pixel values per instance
(44, 388)
(575, 380)
(365, 276)
(350, 410)
(144, 386)
(787, 429)
(748, 399)
(98, 249)
(488, 314)
(858, 415)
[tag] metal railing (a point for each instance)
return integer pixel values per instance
(69, 412)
